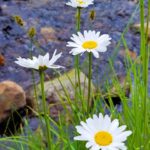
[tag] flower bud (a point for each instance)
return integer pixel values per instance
(31, 32)
(19, 20)
(92, 15)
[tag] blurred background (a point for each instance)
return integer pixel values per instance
(55, 23)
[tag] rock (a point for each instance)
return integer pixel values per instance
(2, 60)
(135, 1)
(54, 90)
(114, 93)
(131, 54)
(48, 34)
(12, 98)
(123, 53)
(137, 27)
(33, 3)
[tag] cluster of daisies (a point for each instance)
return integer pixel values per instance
(100, 132)
(89, 41)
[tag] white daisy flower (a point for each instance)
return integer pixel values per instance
(40, 62)
(102, 134)
(80, 3)
(90, 41)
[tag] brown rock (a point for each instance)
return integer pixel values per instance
(137, 26)
(48, 34)
(12, 98)
(2, 60)
(124, 53)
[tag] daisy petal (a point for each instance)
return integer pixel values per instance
(89, 41)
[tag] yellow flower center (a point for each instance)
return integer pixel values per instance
(103, 138)
(89, 45)
(80, 2)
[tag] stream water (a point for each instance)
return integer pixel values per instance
(112, 16)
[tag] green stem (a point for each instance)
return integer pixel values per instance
(77, 61)
(35, 90)
(78, 19)
(144, 55)
(89, 82)
(147, 23)
(33, 81)
(78, 95)
(46, 112)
